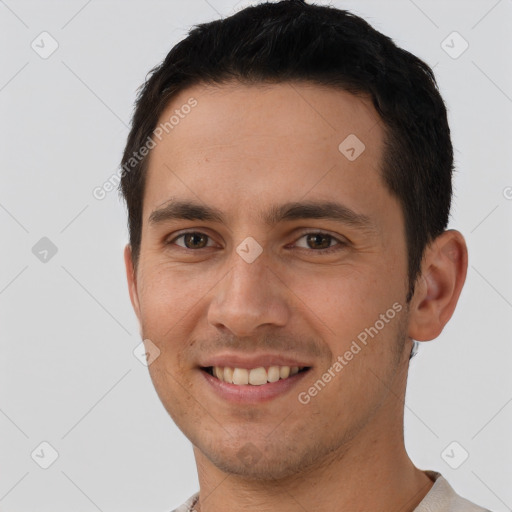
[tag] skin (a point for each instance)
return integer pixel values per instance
(243, 149)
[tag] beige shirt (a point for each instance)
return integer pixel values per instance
(440, 498)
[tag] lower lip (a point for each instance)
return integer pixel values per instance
(252, 394)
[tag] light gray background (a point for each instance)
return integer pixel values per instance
(68, 374)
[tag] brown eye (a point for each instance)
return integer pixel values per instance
(318, 240)
(192, 240)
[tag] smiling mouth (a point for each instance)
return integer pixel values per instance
(253, 376)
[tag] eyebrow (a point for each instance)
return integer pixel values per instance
(328, 210)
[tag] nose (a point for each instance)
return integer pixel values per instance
(251, 296)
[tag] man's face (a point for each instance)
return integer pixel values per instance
(266, 283)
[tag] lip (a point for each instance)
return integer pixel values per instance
(249, 361)
(249, 394)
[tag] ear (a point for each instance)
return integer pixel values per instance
(132, 280)
(437, 290)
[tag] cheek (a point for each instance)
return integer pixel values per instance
(164, 306)
(345, 301)
(169, 295)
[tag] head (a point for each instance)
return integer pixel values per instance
(324, 46)
(280, 132)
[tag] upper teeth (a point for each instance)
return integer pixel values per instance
(254, 376)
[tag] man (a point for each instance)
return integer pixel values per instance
(288, 183)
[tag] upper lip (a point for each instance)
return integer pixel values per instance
(249, 361)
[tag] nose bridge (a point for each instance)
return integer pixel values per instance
(249, 280)
(246, 298)
(247, 285)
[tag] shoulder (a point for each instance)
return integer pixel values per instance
(188, 506)
(443, 498)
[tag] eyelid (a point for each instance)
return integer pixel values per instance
(168, 240)
(342, 242)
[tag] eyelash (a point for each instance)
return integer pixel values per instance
(329, 250)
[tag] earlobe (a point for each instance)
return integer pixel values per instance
(437, 291)
(132, 280)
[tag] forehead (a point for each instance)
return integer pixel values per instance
(239, 146)
(297, 112)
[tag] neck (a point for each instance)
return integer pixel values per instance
(371, 472)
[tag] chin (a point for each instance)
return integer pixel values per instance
(271, 463)
(262, 470)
